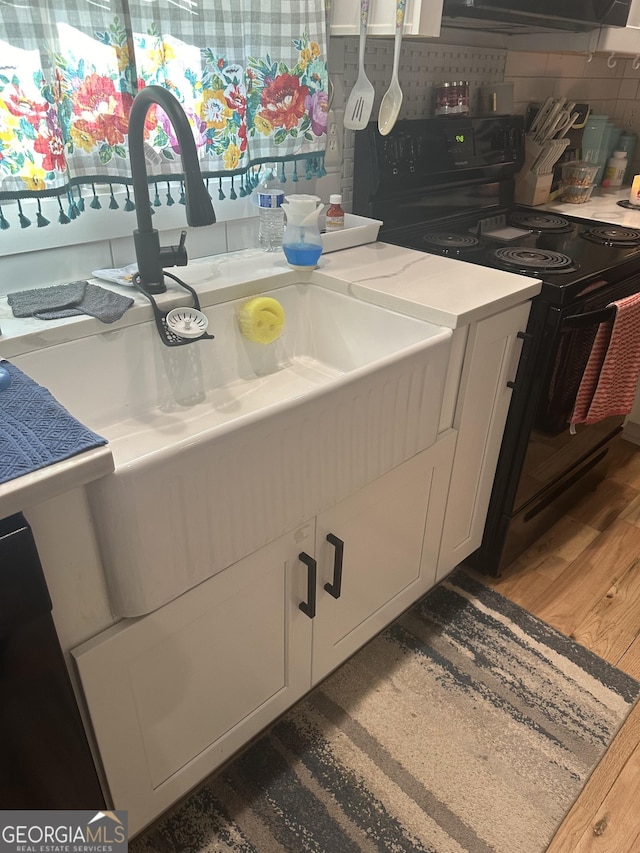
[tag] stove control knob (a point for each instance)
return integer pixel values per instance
(390, 155)
(500, 139)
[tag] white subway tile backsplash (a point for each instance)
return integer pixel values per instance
(604, 90)
(52, 266)
(628, 89)
(566, 65)
(242, 234)
(598, 67)
(200, 242)
(629, 71)
(576, 89)
(534, 89)
(523, 64)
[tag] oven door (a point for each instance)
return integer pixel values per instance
(543, 469)
(553, 454)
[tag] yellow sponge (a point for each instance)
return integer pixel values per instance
(261, 319)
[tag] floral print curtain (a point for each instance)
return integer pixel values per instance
(251, 76)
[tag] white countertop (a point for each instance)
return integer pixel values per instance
(603, 206)
(441, 290)
(45, 483)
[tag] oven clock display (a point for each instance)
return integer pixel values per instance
(460, 145)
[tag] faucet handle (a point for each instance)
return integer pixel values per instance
(175, 256)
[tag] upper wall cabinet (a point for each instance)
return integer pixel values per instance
(558, 41)
(625, 40)
(422, 18)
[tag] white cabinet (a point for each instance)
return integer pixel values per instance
(422, 18)
(491, 361)
(624, 40)
(391, 535)
(173, 694)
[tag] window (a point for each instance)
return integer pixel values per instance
(250, 75)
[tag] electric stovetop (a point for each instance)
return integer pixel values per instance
(561, 250)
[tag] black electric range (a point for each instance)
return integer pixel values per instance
(447, 186)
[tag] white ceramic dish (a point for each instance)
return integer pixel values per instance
(357, 231)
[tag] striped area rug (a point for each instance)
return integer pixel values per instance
(467, 725)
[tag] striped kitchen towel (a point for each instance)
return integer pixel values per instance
(610, 378)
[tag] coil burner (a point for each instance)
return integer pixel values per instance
(612, 235)
(449, 244)
(521, 259)
(547, 222)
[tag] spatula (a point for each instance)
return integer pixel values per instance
(392, 99)
(358, 109)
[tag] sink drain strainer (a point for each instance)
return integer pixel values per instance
(187, 322)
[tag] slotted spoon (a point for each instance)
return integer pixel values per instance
(392, 100)
(358, 109)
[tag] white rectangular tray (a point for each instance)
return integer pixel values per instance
(357, 231)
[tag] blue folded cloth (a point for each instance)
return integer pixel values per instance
(36, 430)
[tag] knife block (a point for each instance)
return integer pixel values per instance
(532, 188)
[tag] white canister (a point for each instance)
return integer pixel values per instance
(615, 169)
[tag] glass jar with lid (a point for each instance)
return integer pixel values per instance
(452, 98)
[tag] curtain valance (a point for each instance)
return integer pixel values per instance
(250, 75)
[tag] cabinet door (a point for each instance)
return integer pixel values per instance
(173, 694)
(491, 361)
(391, 533)
(422, 18)
(625, 40)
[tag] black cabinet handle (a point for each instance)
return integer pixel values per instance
(335, 588)
(309, 606)
(527, 340)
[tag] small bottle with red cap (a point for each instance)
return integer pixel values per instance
(335, 214)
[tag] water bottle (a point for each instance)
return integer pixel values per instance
(270, 197)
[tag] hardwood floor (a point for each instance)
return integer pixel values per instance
(583, 577)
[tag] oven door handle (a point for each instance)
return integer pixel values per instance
(590, 318)
(527, 340)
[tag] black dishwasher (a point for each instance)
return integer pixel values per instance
(45, 760)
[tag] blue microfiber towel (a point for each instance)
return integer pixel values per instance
(36, 430)
(68, 300)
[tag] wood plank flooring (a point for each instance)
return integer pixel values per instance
(583, 577)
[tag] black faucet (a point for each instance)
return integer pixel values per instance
(150, 256)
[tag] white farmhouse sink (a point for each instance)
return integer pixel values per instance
(223, 445)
